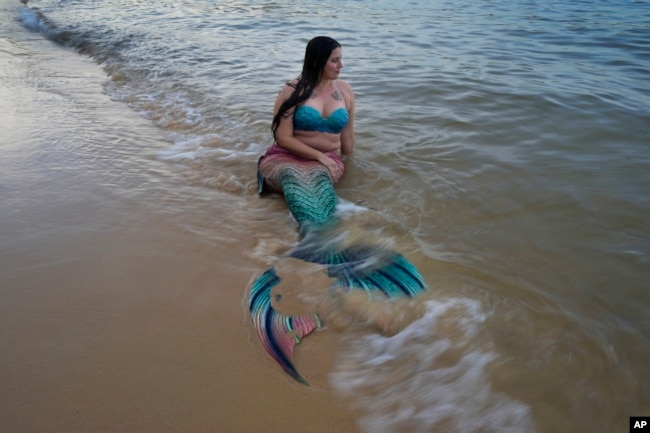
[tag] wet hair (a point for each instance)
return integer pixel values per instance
(317, 53)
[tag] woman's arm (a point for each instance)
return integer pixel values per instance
(347, 135)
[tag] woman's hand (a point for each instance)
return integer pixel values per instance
(329, 163)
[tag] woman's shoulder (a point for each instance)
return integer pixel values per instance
(289, 86)
(287, 90)
(344, 86)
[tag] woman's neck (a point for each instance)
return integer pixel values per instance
(324, 85)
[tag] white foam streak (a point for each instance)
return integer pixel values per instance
(430, 377)
(347, 207)
(192, 148)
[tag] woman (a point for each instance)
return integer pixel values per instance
(313, 121)
(313, 125)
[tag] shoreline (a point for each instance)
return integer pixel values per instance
(113, 317)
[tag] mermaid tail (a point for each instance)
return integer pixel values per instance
(278, 333)
(310, 196)
(309, 192)
(307, 186)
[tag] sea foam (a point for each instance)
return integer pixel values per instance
(432, 376)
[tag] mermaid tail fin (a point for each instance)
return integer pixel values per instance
(354, 267)
(277, 332)
(367, 268)
(395, 277)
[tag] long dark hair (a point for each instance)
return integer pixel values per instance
(317, 53)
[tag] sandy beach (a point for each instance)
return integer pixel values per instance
(113, 316)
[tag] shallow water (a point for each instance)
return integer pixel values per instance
(501, 147)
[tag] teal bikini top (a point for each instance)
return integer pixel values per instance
(308, 118)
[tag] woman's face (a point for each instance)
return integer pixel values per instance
(334, 65)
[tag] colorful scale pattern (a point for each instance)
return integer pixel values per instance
(309, 192)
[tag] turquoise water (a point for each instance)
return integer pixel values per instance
(502, 145)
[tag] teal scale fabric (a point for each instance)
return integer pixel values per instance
(310, 196)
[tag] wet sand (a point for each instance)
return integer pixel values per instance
(114, 317)
(145, 332)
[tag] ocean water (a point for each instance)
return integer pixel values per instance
(503, 146)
